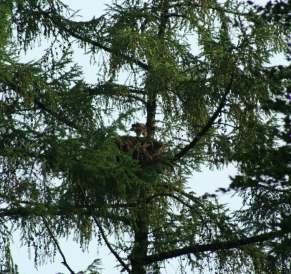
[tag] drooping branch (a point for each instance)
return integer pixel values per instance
(215, 246)
(59, 116)
(64, 262)
(73, 28)
(207, 127)
(14, 85)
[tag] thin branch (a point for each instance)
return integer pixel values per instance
(58, 116)
(103, 235)
(215, 246)
(64, 262)
(111, 89)
(43, 107)
(206, 128)
(181, 192)
(69, 27)
(216, 7)
(170, 195)
(55, 210)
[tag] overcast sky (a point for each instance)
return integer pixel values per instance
(206, 181)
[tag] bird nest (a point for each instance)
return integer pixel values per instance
(142, 149)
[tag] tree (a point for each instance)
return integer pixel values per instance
(72, 163)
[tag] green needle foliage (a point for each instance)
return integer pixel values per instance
(199, 75)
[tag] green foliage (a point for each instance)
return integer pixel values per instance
(7, 265)
(93, 268)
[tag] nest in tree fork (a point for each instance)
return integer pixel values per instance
(142, 149)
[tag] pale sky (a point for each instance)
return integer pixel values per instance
(206, 181)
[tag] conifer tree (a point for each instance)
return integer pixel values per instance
(113, 157)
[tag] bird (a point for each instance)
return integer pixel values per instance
(139, 129)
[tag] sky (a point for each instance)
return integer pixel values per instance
(205, 181)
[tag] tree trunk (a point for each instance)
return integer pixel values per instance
(141, 228)
(139, 251)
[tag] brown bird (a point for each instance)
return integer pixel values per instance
(139, 129)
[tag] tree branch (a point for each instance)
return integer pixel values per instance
(170, 195)
(112, 89)
(103, 235)
(48, 210)
(61, 118)
(58, 116)
(206, 128)
(217, 7)
(102, 232)
(64, 262)
(73, 29)
(213, 247)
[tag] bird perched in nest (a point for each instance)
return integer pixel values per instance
(139, 129)
(142, 149)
